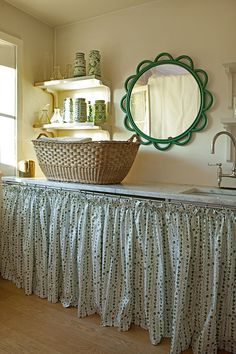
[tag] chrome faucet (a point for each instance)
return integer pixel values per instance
(220, 173)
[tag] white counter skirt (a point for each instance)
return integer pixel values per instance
(166, 265)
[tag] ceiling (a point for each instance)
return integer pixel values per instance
(59, 12)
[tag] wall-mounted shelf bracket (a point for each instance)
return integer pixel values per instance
(230, 69)
(54, 95)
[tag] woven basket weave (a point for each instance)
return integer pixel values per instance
(98, 162)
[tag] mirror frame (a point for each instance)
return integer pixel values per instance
(206, 100)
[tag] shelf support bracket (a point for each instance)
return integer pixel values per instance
(229, 152)
(230, 86)
(54, 96)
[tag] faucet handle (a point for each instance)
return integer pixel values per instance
(219, 172)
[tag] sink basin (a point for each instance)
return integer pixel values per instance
(208, 191)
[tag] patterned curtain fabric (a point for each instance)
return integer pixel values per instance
(167, 267)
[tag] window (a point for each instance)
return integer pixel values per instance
(8, 108)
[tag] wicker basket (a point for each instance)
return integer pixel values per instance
(99, 162)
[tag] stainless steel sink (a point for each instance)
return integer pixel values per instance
(208, 191)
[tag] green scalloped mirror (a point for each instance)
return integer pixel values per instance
(166, 101)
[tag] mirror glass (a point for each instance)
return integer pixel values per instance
(165, 101)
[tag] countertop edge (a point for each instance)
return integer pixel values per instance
(163, 191)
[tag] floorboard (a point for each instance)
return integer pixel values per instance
(31, 325)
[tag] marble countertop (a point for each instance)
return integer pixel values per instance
(185, 193)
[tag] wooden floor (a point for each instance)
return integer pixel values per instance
(31, 325)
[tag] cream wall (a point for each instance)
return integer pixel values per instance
(37, 55)
(205, 30)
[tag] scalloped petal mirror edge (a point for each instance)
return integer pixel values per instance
(166, 101)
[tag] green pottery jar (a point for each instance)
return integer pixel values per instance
(94, 63)
(100, 111)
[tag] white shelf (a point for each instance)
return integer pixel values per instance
(228, 121)
(231, 67)
(74, 83)
(72, 126)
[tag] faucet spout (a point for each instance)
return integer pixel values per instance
(220, 173)
(233, 141)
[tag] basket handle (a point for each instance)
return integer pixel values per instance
(134, 136)
(46, 134)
